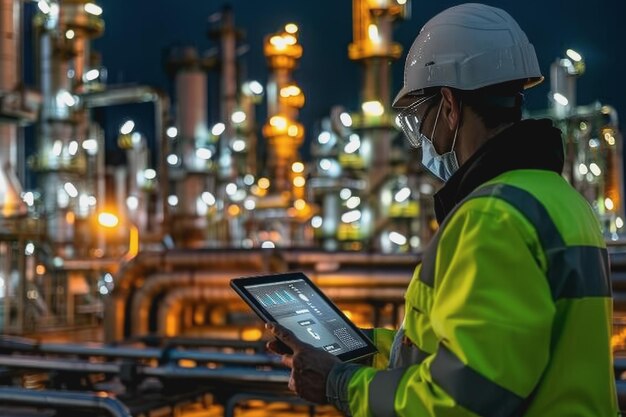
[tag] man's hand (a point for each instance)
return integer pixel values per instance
(309, 366)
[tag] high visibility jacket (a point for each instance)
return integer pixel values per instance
(508, 314)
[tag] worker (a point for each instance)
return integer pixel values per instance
(509, 312)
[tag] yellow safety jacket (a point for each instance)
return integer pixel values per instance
(508, 314)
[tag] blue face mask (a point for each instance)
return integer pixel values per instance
(441, 166)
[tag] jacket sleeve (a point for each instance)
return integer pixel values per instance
(492, 313)
(382, 339)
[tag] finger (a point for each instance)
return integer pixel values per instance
(292, 383)
(278, 347)
(285, 335)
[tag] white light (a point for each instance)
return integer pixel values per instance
(72, 148)
(401, 2)
(208, 198)
(573, 55)
(249, 204)
(29, 249)
(414, 242)
(127, 127)
(351, 216)
(172, 159)
(93, 9)
(29, 198)
(608, 203)
(83, 202)
(104, 290)
(594, 143)
(149, 174)
(91, 200)
(91, 146)
(66, 98)
(231, 188)
(268, 245)
(171, 132)
(372, 31)
(172, 200)
(239, 145)
(69, 34)
(57, 148)
(248, 179)
(204, 153)
(324, 138)
(582, 168)
(397, 238)
(256, 87)
(238, 117)
(135, 138)
(54, 9)
(352, 146)
(561, 99)
(619, 222)
(346, 120)
(325, 164)
(373, 108)
(345, 193)
(92, 75)
(70, 189)
(316, 222)
(353, 202)
(291, 28)
(43, 6)
(218, 129)
(132, 202)
(108, 278)
(402, 195)
(595, 169)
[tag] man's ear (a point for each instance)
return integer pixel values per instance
(450, 109)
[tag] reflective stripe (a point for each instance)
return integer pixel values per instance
(470, 389)
(573, 271)
(382, 392)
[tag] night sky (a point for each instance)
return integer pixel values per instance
(138, 31)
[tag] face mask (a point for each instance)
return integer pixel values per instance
(441, 166)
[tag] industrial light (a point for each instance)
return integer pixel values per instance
(573, 55)
(172, 200)
(595, 169)
(132, 202)
(373, 108)
(345, 193)
(172, 159)
(292, 131)
(351, 216)
(108, 219)
(231, 188)
(325, 164)
(248, 179)
(297, 167)
(69, 34)
(171, 132)
(64, 97)
(29, 198)
(29, 249)
(291, 28)
(352, 146)
(290, 39)
(268, 244)
(299, 204)
(44, 6)
(346, 120)
(278, 42)
(127, 127)
(561, 99)
(92, 74)
(149, 174)
(316, 222)
(204, 153)
(402, 195)
(57, 148)
(249, 204)
(218, 129)
(70, 189)
(208, 198)
(401, 2)
(372, 31)
(619, 222)
(353, 202)
(239, 145)
(290, 91)
(397, 238)
(582, 169)
(255, 87)
(238, 117)
(299, 181)
(415, 241)
(323, 138)
(72, 148)
(279, 122)
(608, 203)
(264, 183)
(93, 9)
(91, 200)
(90, 146)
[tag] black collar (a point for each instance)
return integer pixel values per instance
(529, 144)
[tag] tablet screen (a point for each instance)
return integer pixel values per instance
(301, 307)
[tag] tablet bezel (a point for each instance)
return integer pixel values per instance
(239, 284)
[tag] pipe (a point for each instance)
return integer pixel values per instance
(58, 399)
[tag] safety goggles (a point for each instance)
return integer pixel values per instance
(411, 121)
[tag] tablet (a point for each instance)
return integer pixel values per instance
(293, 301)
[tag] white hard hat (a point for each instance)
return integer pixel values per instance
(468, 47)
